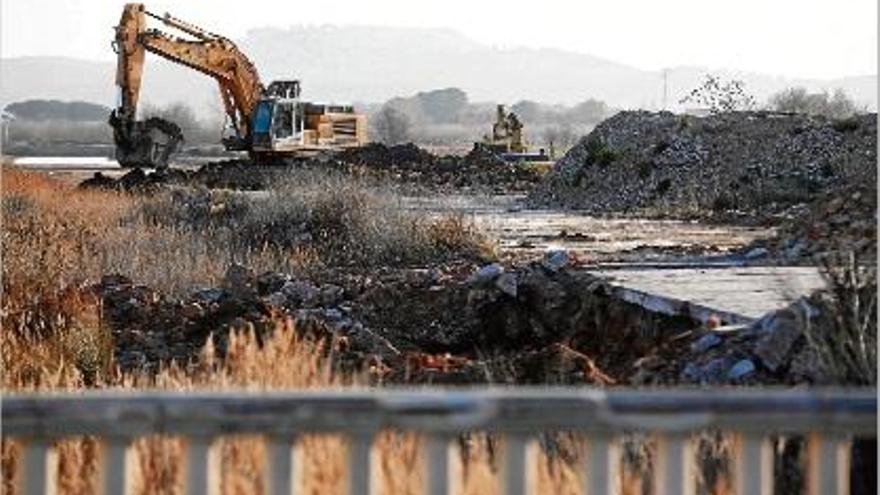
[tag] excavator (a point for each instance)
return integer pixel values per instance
(269, 122)
(507, 140)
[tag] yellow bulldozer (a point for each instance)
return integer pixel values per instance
(266, 121)
(508, 140)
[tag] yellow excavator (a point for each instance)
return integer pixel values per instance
(508, 141)
(268, 122)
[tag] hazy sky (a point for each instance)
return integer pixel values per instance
(796, 38)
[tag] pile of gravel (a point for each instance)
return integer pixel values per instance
(755, 165)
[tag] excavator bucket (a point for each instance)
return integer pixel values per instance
(148, 143)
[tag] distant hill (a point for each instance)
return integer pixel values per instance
(373, 64)
(72, 111)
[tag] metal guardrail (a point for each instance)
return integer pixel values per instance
(829, 418)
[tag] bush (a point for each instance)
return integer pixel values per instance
(391, 126)
(845, 337)
(718, 96)
(798, 100)
(849, 124)
(599, 154)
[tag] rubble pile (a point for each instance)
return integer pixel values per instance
(772, 350)
(546, 321)
(404, 164)
(839, 222)
(755, 165)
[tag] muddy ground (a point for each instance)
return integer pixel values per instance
(550, 309)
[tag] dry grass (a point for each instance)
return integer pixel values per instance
(284, 361)
(844, 339)
(56, 240)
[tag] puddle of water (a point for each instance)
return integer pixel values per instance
(523, 230)
(65, 162)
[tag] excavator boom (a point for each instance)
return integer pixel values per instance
(150, 143)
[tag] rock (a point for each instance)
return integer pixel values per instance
(270, 282)
(301, 292)
(706, 342)
(741, 369)
(277, 299)
(191, 311)
(115, 280)
(758, 252)
(507, 284)
(779, 333)
(793, 252)
(805, 365)
(207, 296)
(331, 295)
(711, 372)
(333, 314)
(486, 273)
(555, 260)
(240, 282)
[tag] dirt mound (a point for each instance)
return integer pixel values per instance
(382, 156)
(227, 174)
(403, 164)
(536, 323)
(746, 164)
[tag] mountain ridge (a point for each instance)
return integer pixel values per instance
(374, 64)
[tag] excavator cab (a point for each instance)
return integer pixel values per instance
(278, 123)
(285, 125)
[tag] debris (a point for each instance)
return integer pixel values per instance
(240, 281)
(507, 284)
(779, 332)
(556, 260)
(486, 273)
(706, 342)
(302, 292)
(756, 253)
(741, 369)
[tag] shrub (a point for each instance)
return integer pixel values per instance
(849, 124)
(845, 337)
(599, 154)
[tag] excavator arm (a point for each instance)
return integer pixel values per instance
(150, 142)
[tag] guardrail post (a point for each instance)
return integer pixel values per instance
(114, 475)
(438, 474)
(202, 470)
(281, 464)
(38, 470)
(603, 465)
(674, 465)
(360, 464)
(828, 461)
(518, 464)
(752, 464)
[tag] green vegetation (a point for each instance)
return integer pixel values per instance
(797, 100)
(599, 154)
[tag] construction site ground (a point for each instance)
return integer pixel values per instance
(655, 261)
